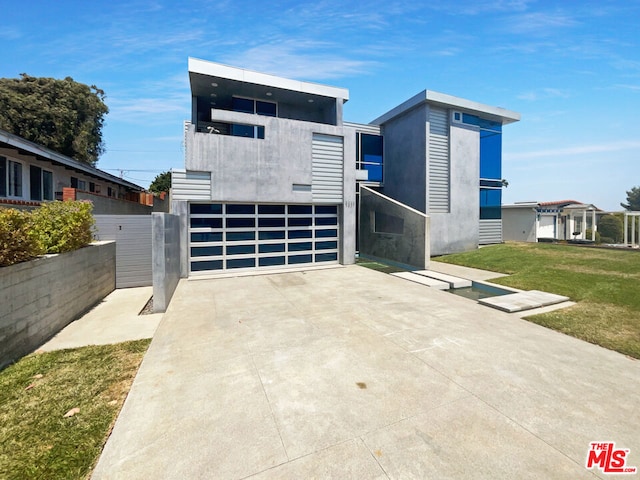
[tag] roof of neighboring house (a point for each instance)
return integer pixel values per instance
(26, 147)
(559, 203)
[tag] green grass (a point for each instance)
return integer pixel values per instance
(605, 283)
(36, 440)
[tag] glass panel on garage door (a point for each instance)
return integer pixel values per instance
(238, 236)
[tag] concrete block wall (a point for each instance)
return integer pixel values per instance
(166, 234)
(40, 297)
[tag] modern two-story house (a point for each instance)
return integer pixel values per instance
(272, 172)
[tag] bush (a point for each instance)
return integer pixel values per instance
(588, 235)
(611, 226)
(63, 226)
(18, 241)
(607, 240)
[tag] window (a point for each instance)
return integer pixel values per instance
(41, 183)
(82, 185)
(10, 178)
(369, 155)
(110, 192)
(92, 187)
(74, 182)
(249, 105)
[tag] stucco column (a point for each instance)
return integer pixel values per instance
(583, 228)
(626, 229)
(593, 225)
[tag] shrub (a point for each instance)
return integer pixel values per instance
(607, 240)
(63, 226)
(611, 226)
(18, 241)
(588, 235)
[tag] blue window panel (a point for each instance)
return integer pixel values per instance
(327, 221)
(326, 233)
(271, 261)
(240, 209)
(300, 222)
(271, 209)
(326, 257)
(278, 235)
(271, 222)
(206, 208)
(374, 172)
(300, 209)
(240, 236)
(491, 183)
(297, 247)
(206, 237)
(271, 248)
(266, 108)
(241, 263)
(242, 130)
(241, 222)
(260, 132)
(326, 245)
(294, 259)
(300, 234)
(205, 251)
(206, 265)
(490, 201)
(490, 154)
(244, 105)
(206, 222)
(240, 249)
(327, 209)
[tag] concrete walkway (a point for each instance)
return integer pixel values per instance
(352, 373)
(115, 319)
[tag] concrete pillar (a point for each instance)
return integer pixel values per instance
(626, 234)
(593, 225)
(583, 227)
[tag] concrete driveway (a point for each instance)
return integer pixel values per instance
(351, 373)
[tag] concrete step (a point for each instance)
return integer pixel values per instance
(455, 282)
(430, 282)
(517, 302)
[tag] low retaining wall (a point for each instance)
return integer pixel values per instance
(40, 297)
(393, 232)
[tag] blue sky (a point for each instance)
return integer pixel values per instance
(571, 68)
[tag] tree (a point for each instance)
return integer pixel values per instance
(63, 115)
(162, 183)
(633, 199)
(610, 228)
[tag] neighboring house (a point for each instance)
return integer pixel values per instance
(560, 220)
(31, 173)
(273, 173)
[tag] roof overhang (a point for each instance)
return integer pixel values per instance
(222, 72)
(496, 114)
(26, 147)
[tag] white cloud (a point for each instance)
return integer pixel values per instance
(576, 150)
(301, 60)
(543, 93)
(538, 22)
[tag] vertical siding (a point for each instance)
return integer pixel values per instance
(490, 232)
(438, 161)
(132, 234)
(188, 185)
(327, 170)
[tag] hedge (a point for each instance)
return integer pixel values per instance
(54, 227)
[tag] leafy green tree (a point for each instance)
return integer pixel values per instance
(633, 199)
(63, 115)
(162, 183)
(610, 228)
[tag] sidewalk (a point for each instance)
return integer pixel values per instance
(113, 320)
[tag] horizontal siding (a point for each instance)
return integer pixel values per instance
(363, 128)
(190, 185)
(327, 169)
(132, 234)
(490, 232)
(438, 161)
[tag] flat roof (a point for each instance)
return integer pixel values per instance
(27, 147)
(497, 114)
(218, 70)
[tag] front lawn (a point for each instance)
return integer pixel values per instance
(57, 409)
(605, 283)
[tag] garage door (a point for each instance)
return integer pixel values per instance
(232, 236)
